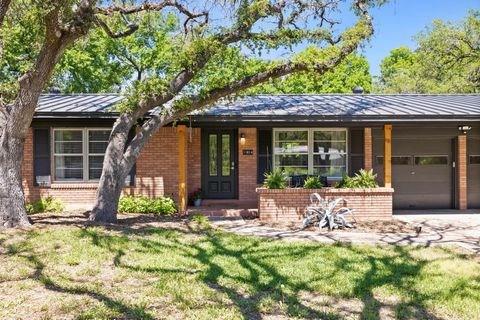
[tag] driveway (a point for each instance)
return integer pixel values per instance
(445, 228)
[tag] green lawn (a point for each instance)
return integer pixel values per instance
(163, 268)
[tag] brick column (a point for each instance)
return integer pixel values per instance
(247, 165)
(462, 172)
(367, 149)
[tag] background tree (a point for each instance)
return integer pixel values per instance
(447, 60)
(99, 63)
(352, 72)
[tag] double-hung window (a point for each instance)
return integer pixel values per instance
(311, 151)
(78, 153)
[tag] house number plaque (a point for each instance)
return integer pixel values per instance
(248, 152)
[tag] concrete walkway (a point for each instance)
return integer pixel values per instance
(437, 229)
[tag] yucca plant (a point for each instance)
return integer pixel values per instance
(366, 179)
(277, 179)
(313, 182)
(363, 179)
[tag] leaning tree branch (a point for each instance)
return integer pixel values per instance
(131, 28)
(148, 6)
(150, 127)
(4, 4)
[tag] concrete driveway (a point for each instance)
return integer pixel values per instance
(438, 228)
(447, 226)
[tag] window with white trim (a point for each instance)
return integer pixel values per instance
(311, 151)
(78, 153)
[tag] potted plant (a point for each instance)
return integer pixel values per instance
(196, 198)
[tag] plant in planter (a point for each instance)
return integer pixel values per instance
(313, 182)
(277, 179)
(196, 198)
(363, 179)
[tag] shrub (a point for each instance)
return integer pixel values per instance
(362, 179)
(313, 182)
(202, 221)
(48, 204)
(141, 204)
(277, 179)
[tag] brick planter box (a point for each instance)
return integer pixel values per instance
(288, 205)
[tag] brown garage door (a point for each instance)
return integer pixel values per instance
(473, 173)
(422, 173)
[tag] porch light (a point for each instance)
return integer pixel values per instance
(242, 138)
(464, 129)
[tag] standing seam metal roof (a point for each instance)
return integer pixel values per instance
(306, 105)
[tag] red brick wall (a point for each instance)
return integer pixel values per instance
(194, 163)
(288, 205)
(157, 169)
(367, 149)
(247, 165)
(462, 172)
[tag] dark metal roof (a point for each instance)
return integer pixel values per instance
(77, 104)
(292, 106)
(351, 106)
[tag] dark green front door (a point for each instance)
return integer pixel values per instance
(219, 163)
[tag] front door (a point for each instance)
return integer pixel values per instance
(219, 163)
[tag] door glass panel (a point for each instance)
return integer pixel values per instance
(475, 159)
(225, 155)
(212, 154)
(430, 160)
(397, 160)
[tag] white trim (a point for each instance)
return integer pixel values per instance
(85, 153)
(310, 144)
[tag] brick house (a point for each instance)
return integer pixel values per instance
(427, 147)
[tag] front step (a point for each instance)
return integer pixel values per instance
(229, 203)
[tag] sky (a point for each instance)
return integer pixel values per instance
(398, 21)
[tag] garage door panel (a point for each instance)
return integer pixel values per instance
(473, 172)
(419, 201)
(419, 183)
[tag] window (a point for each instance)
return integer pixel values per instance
(431, 160)
(78, 153)
(396, 160)
(474, 159)
(311, 151)
(291, 151)
(329, 153)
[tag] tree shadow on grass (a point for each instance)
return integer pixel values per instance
(263, 279)
(126, 312)
(398, 269)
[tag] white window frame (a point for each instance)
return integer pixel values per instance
(310, 132)
(85, 152)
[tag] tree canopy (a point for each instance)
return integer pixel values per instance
(447, 60)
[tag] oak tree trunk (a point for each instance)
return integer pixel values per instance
(114, 173)
(12, 198)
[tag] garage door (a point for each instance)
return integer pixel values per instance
(422, 173)
(473, 173)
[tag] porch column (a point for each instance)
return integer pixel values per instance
(367, 149)
(182, 187)
(387, 157)
(462, 172)
(247, 164)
